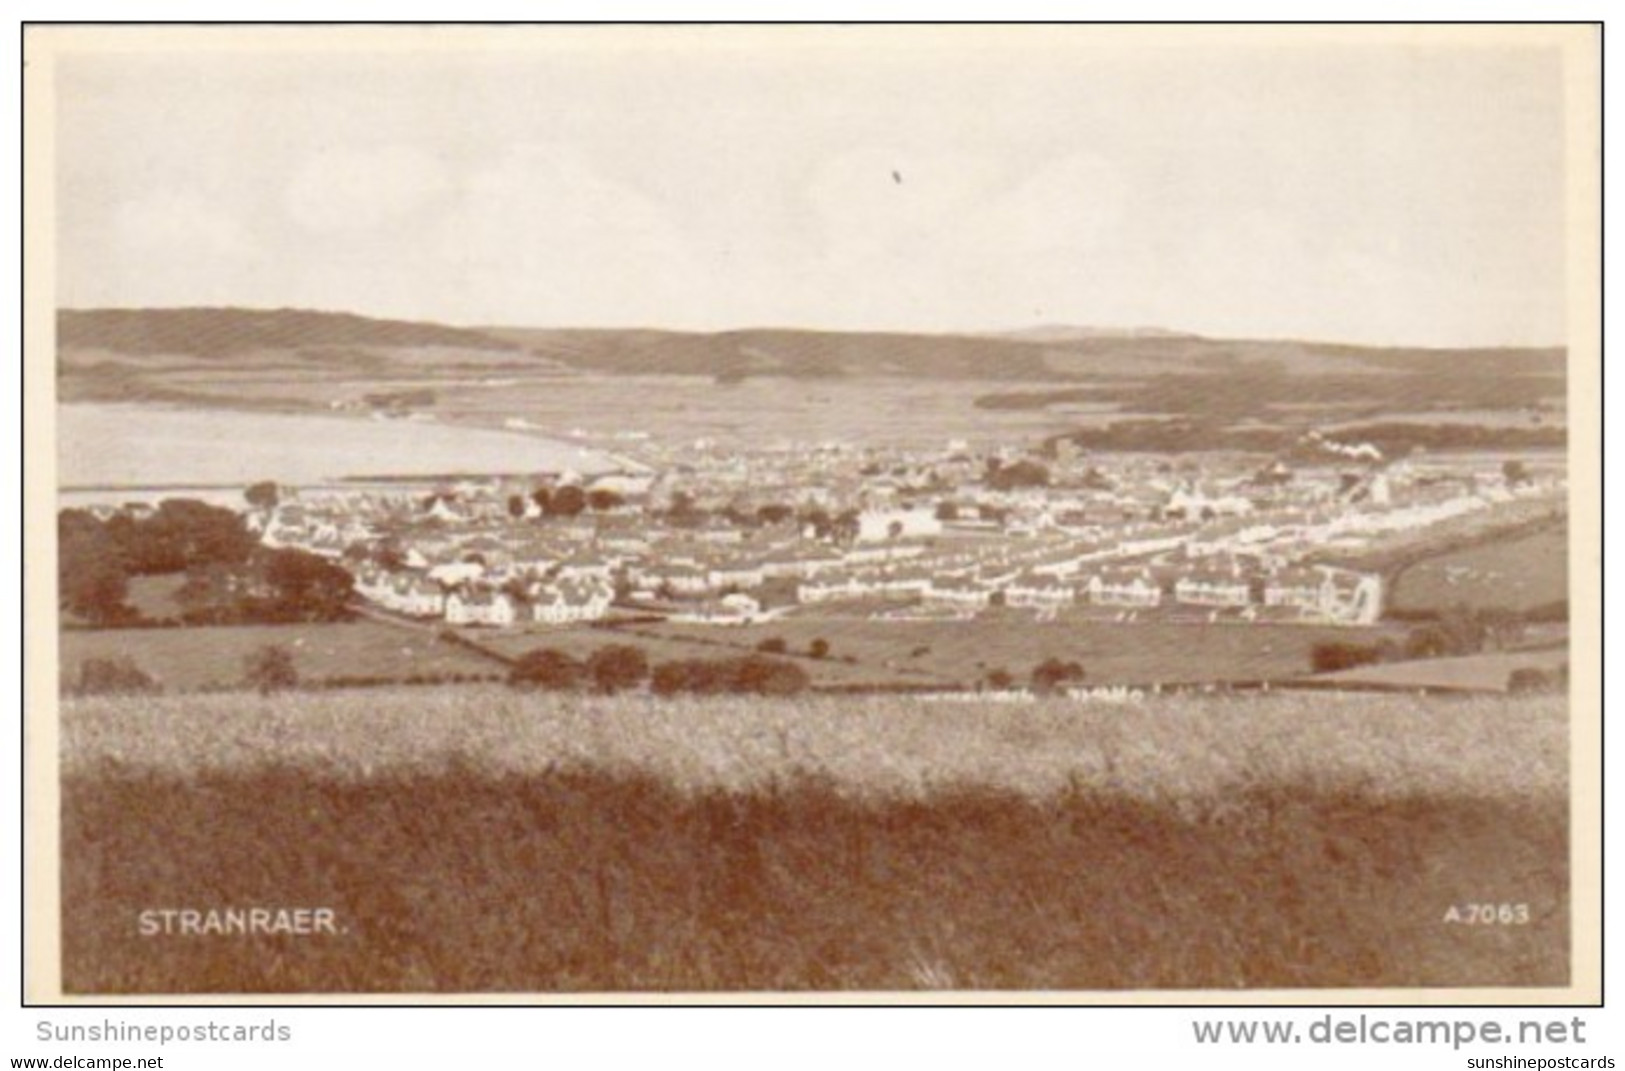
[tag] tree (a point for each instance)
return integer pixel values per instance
(1501, 627)
(567, 501)
(751, 675)
(773, 645)
(546, 668)
(602, 500)
(91, 577)
(306, 586)
(1000, 679)
(270, 669)
(682, 512)
(1514, 472)
(516, 506)
(543, 497)
(617, 667)
(1095, 480)
(846, 526)
(1428, 641)
(1024, 473)
(208, 593)
(1051, 674)
(262, 495)
(113, 676)
(1465, 630)
(819, 648)
(774, 513)
(1333, 657)
(201, 533)
(389, 555)
(818, 519)
(756, 675)
(683, 675)
(947, 511)
(1530, 679)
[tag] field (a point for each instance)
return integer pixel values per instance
(154, 596)
(674, 642)
(1489, 672)
(950, 652)
(193, 659)
(1392, 554)
(863, 652)
(1520, 573)
(473, 840)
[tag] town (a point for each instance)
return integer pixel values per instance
(724, 538)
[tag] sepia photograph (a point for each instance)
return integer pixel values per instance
(749, 513)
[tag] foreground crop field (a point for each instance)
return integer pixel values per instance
(477, 840)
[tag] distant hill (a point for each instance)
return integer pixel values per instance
(786, 352)
(1072, 333)
(1052, 354)
(219, 337)
(213, 333)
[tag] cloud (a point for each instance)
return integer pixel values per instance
(177, 247)
(179, 224)
(878, 203)
(360, 188)
(542, 229)
(1072, 203)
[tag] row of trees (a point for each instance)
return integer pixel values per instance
(566, 501)
(274, 586)
(622, 667)
(1458, 631)
(267, 669)
(817, 648)
(1049, 677)
(1024, 473)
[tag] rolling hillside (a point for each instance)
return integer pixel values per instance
(293, 360)
(220, 335)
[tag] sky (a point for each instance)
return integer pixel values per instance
(839, 179)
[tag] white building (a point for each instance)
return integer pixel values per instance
(881, 525)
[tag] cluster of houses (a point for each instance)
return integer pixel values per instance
(1320, 593)
(549, 602)
(1134, 538)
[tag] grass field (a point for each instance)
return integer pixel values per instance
(1487, 672)
(863, 652)
(673, 642)
(1518, 573)
(963, 652)
(479, 840)
(154, 596)
(192, 659)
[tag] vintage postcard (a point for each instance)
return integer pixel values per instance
(743, 513)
